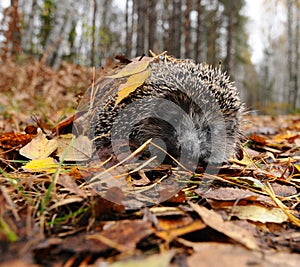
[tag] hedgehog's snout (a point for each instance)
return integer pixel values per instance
(195, 145)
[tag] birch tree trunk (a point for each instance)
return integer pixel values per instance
(27, 36)
(58, 38)
(290, 50)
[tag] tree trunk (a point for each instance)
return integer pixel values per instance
(128, 39)
(65, 33)
(54, 37)
(176, 29)
(231, 13)
(27, 37)
(57, 40)
(187, 29)
(290, 51)
(297, 57)
(95, 6)
(169, 10)
(152, 25)
(12, 44)
(140, 41)
(211, 40)
(198, 32)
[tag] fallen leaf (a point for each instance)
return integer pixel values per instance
(225, 255)
(47, 165)
(132, 68)
(158, 260)
(284, 190)
(259, 139)
(123, 235)
(74, 149)
(259, 213)
(215, 221)
(14, 140)
(69, 183)
(133, 82)
(39, 147)
(228, 255)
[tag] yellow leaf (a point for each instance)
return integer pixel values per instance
(259, 214)
(132, 83)
(41, 165)
(132, 68)
(39, 147)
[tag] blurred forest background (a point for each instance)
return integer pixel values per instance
(92, 32)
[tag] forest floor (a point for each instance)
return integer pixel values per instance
(247, 213)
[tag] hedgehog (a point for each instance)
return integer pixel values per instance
(192, 111)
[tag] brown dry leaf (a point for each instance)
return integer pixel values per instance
(232, 194)
(258, 213)
(131, 69)
(228, 255)
(259, 139)
(215, 221)
(284, 190)
(74, 149)
(157, 260)
(133, 82)
(39, 147)
(224, 197)
(225, 255)
(104, 207)
(14, 140)
(69, 183)
(123, 235)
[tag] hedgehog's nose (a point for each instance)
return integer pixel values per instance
(191, 146)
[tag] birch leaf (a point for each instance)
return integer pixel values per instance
(41, 165)
(131, 69)
(133, 82)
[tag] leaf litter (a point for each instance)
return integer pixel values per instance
(51, 216)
